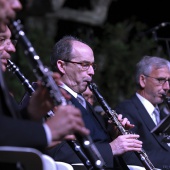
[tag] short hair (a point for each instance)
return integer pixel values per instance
(62, 50)
(147, 63)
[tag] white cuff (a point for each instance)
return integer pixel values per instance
(48, 133)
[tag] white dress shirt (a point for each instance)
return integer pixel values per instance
(148, 106)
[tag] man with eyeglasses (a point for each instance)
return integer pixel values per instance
(74, 60)
(152, 79)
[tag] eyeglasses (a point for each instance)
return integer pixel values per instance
(160, 80)
(4, 42)
(85, 65)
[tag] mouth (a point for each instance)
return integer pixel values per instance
(162, 96)
(88, 81)
(10, 17)
(163, 92)
(4, 59)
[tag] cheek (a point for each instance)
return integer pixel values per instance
(76, 75)
(150, 84)
(3, 67)
(153, 89)
(72, 77)
(150, 87)
(1, 51)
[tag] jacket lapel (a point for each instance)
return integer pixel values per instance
(89, 110)
(143, 113)
(147, 120)
(98, 117)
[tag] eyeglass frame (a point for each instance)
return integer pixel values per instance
(160, 79)
(8, 42)
(83, 62)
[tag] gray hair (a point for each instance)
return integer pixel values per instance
(62, 50)
(146, 65)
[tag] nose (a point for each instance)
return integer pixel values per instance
(166, 85)
(16, 5)
(90, 70)
(10, 48)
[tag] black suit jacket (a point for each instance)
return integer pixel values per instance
(98, 129)
(158, 151)
(13, 129)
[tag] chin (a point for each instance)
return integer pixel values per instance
(83, 90)
(159, 101)
(3, 68)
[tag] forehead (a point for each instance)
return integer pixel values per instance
(6, 33)
(161, 72)
(82, 52)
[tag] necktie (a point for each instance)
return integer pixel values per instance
(156, 113)
(81, 100)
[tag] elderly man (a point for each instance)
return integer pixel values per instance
(152, 80)
(75, 62)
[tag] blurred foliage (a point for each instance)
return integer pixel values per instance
(117, 48)
(117, 51)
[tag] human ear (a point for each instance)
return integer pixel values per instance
(142, 81)
(61, 66)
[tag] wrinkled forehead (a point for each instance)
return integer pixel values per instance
(6, 33)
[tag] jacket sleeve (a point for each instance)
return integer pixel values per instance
(22, 133)
(63, 152)
(152, 143)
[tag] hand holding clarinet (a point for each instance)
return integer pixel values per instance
(44, 75)
(124, 134)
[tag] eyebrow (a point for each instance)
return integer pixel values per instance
(85, 61)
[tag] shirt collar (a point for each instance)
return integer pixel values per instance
(64, 86)
(148, 106)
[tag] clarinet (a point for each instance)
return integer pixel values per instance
(112, 115)
(28, 87)
(44, 75)
(25, 82)
(15, 70)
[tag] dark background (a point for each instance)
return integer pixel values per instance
(118, 43)
(152, 12)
